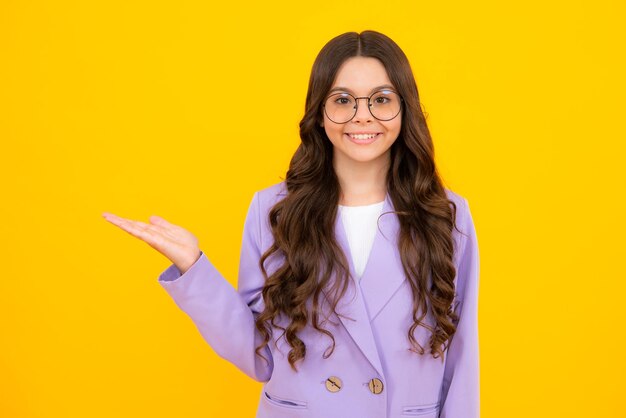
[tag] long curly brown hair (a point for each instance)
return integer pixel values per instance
(302, 223)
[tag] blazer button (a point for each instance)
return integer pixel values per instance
(376, 386)
(333, 384)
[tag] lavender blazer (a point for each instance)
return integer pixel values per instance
(371, 372)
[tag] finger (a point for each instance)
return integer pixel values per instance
(118, 220)
(164, 227)
(137, 229)
(169, 229)
(159, 221)
(158, 230)
(125, 224)
(109, 216)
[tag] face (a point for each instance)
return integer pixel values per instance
(362, 76)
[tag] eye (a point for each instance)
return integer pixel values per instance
(342, 99)
(385, 98)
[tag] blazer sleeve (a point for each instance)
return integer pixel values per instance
(224, 316)
(460, 397)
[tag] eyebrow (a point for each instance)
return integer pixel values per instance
(384, 86)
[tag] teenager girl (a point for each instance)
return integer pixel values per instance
(358, 279)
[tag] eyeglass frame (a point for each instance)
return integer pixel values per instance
(369, 105)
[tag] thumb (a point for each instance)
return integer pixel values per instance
(157, 220)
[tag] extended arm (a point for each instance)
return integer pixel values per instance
(224, 316)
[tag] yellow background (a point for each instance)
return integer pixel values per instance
(184, 109)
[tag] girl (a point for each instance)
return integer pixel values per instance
(358, 278)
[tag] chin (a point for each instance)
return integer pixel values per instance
(365, 158)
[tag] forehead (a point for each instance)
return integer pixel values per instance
(361, 75)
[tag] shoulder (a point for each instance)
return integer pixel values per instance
(257, 218)
(463, 220)
(458, 199)
(269, 196)
(462, 206)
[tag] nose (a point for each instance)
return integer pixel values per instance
(362, 110)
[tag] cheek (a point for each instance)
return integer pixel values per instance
(333, 131)
(392, 127)
(396, 127)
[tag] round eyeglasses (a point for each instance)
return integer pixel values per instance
(383, 105)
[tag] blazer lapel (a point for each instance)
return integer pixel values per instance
(380, 280)
(383, 274)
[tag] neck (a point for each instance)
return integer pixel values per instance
(362, 183)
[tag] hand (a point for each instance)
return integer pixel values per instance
(174, 242)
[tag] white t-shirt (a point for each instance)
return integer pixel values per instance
(360, 224)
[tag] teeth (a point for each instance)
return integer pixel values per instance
(363, 136)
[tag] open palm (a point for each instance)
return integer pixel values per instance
(174, 242)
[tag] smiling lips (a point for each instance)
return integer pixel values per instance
(363, 137)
